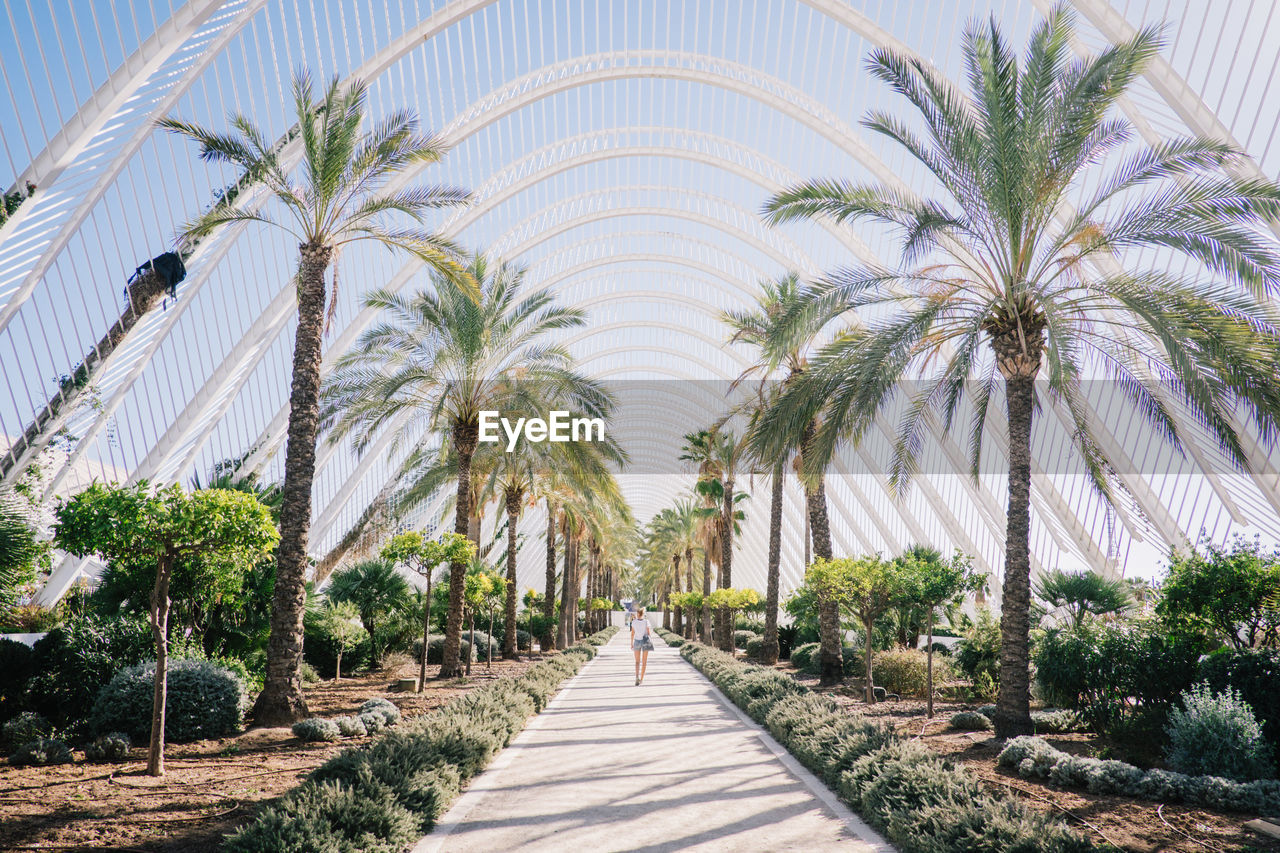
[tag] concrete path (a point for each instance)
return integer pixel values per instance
(668, 765)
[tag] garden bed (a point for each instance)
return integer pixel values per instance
(1129, 824)
(211, 788)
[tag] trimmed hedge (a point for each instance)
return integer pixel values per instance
(1034, 758)
(385, 795)
(921, 801)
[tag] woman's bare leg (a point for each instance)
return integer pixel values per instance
(638, 676)
(642, 658)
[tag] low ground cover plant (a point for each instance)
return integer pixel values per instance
(384, 795)
(922, 802)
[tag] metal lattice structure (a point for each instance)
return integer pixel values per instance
(620, 149)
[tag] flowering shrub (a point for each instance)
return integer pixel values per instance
(1216, 734)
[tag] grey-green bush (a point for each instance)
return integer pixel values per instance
(24, 728)
(801, 656)
(377, 705)
(754, 646)
(351, 726)
(41, 752)
(316, 729)
(1217, 734)
(1034, 758)
(971, 721)
(113, 746)
(741, 638)
(330, 816)
(205, 701)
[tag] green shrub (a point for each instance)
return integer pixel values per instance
(15, 669)
(1216, 734)
(754, 646)
(971, 721)
(435, 653)
(786, 640)
(113, 746)
(801, 656)
(1057, 722)
(74, 661)
(41, 752)
(330, 817)
(1121, 677)
(740, 638)
(205, 701)
(1034, 758)
(320, 647)
(316, 729)
(24, 728)
(905, 671)
(377, 705)
(309, 674)
(743, 622)
(1255, 675)
(977, 655)
(351, 726)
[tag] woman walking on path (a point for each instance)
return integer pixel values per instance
(640, 643)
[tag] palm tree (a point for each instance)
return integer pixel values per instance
(782, 327)
(20, 549)
(1000, 279)
(374, 588)
(720, 456)
(337, 199)
(1083, 593)
(436, 360)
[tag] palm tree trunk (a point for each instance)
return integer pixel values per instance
(1013, 704)
(769, 649)
(465, 435)
(706, 593)
(870, 691)
(510, 648)
(832, 652)
(144, 294)
(566, 584)
(548, 640)
(688, 582)
(677, 616)
(281, 701)
(724, 625)
(928, 677)
(426, 637)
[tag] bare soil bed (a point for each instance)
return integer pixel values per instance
(1128, 824)
(211, 787)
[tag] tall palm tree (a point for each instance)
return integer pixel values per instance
(1001, 280)
(337, 198)
(436, 360)
(783, 327)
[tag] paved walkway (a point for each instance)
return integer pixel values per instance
(668, 765)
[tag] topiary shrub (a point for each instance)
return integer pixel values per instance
(113, 746)
(971, 721)
(740, 638)
(754, 646)
(41, 752)
(74, 661)
(482, 641)
(316, 729)
(205, 701)
(905, 671)
(15, 669)
(435, 653)
(24, 728)
(1216, 734)
(1255, 675)
(351, 726)
(390, 713)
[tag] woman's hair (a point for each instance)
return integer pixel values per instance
(640, 613)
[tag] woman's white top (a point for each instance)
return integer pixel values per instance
(641, 627)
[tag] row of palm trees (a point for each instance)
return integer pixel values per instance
(1023, 265)
(1031, 262)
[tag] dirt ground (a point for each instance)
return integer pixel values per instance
(211, 787)
(1128, 824)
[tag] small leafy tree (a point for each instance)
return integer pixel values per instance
(730, 600)
(494, 597)
(931, 582)
(422, 555)
(1083, 593)
(339, 622)
(476, 589)
(209, 536)
(376, 589)
(1225, 591)
(867, 587)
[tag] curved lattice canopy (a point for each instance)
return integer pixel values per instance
(620, 150)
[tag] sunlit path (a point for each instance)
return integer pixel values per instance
(663, 766)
